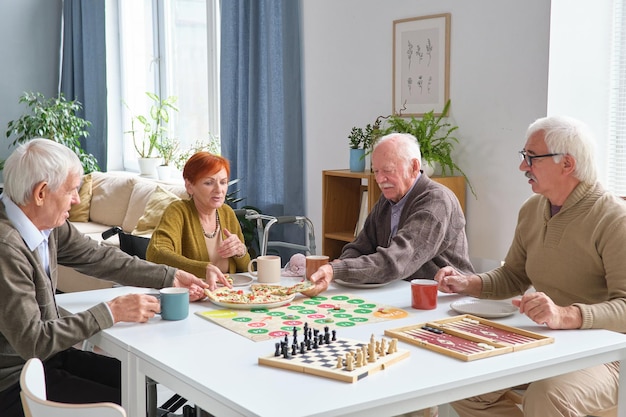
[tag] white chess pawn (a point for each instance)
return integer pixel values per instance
(339, 362)
(349, 362)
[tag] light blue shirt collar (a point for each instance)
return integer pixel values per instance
(31, 235)
(34, 238)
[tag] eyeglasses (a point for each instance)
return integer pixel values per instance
(529, 158)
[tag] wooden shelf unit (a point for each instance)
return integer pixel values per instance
(341, 203)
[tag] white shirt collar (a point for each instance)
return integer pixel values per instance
(29, 232)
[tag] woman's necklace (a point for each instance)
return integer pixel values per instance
(217, 226)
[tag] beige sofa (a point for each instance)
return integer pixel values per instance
(116, 199)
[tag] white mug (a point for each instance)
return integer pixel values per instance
(268, 269)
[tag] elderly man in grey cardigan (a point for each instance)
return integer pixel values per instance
(416, 227)
(41, 178)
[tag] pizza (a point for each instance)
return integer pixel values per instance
(258, 294)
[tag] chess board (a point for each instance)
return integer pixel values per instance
(323, 361)
(335, 311)
(468, 337)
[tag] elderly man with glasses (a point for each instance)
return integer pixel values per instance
(568, 245)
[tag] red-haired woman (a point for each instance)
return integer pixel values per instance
(201, 235)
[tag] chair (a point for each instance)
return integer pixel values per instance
(36, 404)
(265, 222)
(517, 395)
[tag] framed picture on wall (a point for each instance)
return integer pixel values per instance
(421, 64)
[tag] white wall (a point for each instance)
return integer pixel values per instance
(580, 48)
(498, 86)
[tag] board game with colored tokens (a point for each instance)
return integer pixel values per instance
(314, 352)
(335, 311)
(468, 337)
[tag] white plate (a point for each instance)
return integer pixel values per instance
(358, 285)
(484, 308)
(249, 306)
(240, 280)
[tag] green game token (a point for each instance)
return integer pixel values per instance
(242, 319)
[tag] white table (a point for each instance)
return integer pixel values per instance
(217, 369)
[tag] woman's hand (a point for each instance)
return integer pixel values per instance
(213, 276)
(231, 246)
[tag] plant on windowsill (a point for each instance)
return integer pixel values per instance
(148, 132)
(167, 149)
(53, 118)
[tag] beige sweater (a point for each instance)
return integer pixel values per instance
(577, 257)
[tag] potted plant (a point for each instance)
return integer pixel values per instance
(53, 118)
(167, 149)
(435, 137)
(151, 132)
(361, 141)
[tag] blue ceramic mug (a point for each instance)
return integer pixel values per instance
(174, 303)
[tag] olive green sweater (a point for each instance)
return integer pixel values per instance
(178, 240)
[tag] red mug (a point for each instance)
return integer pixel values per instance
(424, 294)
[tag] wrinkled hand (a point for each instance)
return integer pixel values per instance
(213, 276)
(136, 308)
(231, 246)
(194, 284)
(541, 309)
(321, 278)
(450, 280)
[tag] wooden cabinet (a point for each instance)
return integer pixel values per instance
(341, 203)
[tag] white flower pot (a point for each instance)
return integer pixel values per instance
(428, 167)
(164, 172)
(148, 167)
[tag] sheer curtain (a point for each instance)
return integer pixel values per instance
(261, 106)
(83, 73)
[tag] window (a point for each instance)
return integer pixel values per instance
(171, 48)
(617, 109)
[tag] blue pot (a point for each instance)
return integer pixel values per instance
(357, 160)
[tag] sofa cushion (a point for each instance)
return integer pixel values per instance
(159, 201)
(80, 212)
(110, 197)
(142, 190)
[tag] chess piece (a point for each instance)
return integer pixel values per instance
(349, 362)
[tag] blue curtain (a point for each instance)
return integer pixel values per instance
(83, 69)
(261, 106)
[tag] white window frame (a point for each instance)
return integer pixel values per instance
(119, 157)
(616, 141)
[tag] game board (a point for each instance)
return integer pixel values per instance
(334, 311)
(469, 337)
(340, 359)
